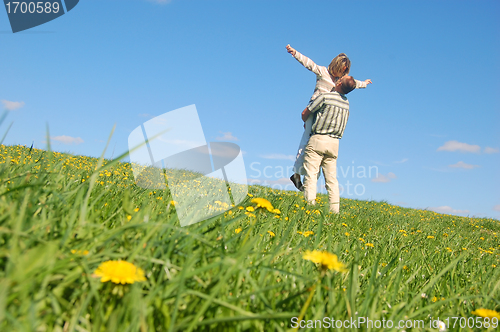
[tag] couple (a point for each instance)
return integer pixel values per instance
(325, 119)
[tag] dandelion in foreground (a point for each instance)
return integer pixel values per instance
(119, 272)
(486, 313)
(325, 259)
(263, 203)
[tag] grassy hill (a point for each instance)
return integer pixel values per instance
(62, 216)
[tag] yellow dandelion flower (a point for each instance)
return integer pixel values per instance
(361, 239)
(344, 224)
(486, 313)
(129, 217)
(369, 245)
(241, 208)
(263, 203)
(325, 259)
(136, 209)
(271, 233)
(347, 234)
(250, 208)
(80, 252)
(238, 230)
(430, 237)
(434, 299)
(119, 272)
(250, 214)
(276, 211)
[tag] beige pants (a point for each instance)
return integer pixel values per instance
(322, 151)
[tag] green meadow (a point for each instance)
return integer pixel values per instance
(62, 216)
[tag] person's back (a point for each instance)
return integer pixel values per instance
(332, 118)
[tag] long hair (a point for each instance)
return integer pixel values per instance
(340, 66)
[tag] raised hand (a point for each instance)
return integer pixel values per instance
(290, 50)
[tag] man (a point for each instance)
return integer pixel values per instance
(331, 111)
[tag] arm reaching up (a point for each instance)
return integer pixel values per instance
(305, 61)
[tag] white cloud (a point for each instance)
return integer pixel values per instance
(384, 178)
(458, 146)
(490, 150)
(402, 161)
(496, 207)
(461, 164)
(12, 105)
(146, 115)
(379, 163)
(278, 156)
(447, 210)
(67, 139)
(226, 137)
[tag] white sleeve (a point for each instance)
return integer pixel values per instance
(360, 84)
(308, 63)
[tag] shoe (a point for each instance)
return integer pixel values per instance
(295, 178)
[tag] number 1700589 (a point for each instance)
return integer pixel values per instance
(32, 7)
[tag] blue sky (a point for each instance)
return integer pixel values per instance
(428, 125)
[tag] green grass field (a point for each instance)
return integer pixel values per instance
(61, 216)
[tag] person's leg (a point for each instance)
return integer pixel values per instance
(312, 162)
(298, 166)
(329, 166)
(299, 160)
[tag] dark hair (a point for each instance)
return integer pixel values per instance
(348, 84)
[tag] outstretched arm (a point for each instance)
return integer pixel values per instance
(362, 84)
(305, 61)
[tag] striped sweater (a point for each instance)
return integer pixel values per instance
(331, 111)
